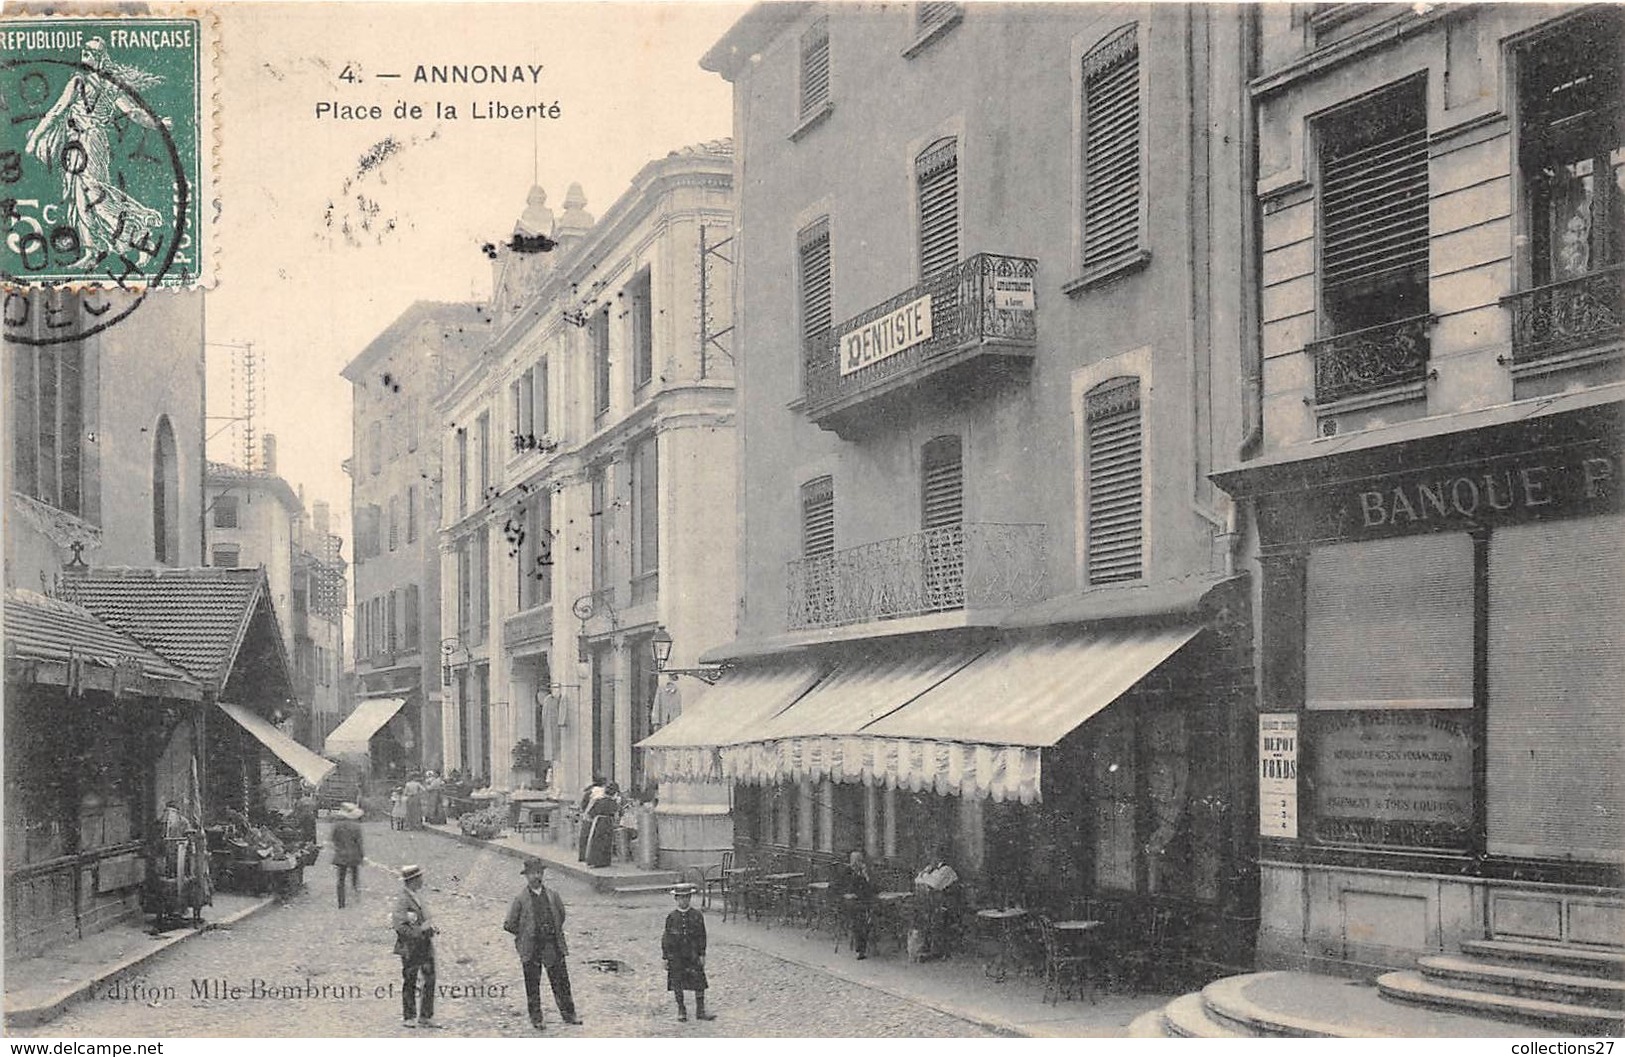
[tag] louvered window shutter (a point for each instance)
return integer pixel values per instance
(818, 518)
(942, 485)
(1111, 150)
(1115, 529)
(936, 173)
(929, 16)
(813, 250)
(814, 68)
(1374, 194)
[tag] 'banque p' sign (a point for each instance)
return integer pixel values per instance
(99, 170)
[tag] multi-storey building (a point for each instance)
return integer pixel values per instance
(1443, 231)
(590, 487)
(254, 517)
(395, 486)
(991, 314)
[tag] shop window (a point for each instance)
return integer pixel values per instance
(1112, 795)
(936, 181)
(603, 712)
(1388, 692)
(1555, 726)
(1572, 143)
(815, 94)
(1115, 529)
(1374, 210)
(641, 297)
(1111, 148)
(166, 497)
(225, 510)
(814, 275)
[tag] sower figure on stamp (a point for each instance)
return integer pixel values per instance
(414, 942)
(347, 853)
(536, 919)
(683, 948)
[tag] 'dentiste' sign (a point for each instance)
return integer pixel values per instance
(900, 329)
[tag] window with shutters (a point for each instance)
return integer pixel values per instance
(225, 511)
(392, 641)
(1111, 150)
(462, 471)
(465, 590)
(645, 508)
(482, 438)
(814, 277)
(225, 556)
(942, 517)
(1115, 528)
(536, 552)
(412, 618)
(1374, 210)
(394, 523)
(539, 397)
(522, 403)
(818, 518)
(643, 350)
(936, 178)
(598, 331)
(411, 513)
(931, 21)
(482, 582)
(815, 96)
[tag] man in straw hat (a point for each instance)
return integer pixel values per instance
(414, 942)
(683, 948)
(347, 853)
(536, 919)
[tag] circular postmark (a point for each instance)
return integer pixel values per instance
(93, 209)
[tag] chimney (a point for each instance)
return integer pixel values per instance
(269, 460)
(321, 515)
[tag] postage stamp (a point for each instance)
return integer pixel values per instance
(105, 165)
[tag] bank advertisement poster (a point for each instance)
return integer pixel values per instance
(1278, 774)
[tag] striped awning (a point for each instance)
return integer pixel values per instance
(306, 764)
(739, 703)
(354, 735)
(978, 730)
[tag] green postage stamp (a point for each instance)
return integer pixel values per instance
(106, 159)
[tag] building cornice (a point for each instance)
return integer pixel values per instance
(1322, 60)
(749, 36)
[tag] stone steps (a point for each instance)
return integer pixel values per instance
(1592, 961)
(1414, 987)
(1478, 974)
(1187, 1017)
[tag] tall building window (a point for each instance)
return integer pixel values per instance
(813, 274)
(598, 484)
(412, 618)
(411, 513)
(226, 556)
(482, 437)
(929, 17)
(48, 417)
(411, 426)
(942, 483)
(539, 397)
(815, 68)
(535, 582)
(375, 447)
(598, 331)
(166, 496)
(1374, 209)
(360, 631)
(465, 589)
(818, 518)
(522, 398)
(1572, 147)
(1115, 530)
(462, 471)
(394, 523)
(642, 308)
(392, 622)
(645, 519)
(482, 581)
(936, 178)
(225, 511)
(1111, 147)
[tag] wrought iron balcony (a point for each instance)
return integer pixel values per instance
(1575, 314)
(527, 626)
(1371, 359)
(942, 569)
(977, 318)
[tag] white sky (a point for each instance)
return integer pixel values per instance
(627, 78)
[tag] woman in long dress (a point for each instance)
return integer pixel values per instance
(600, 819)
(75, 138)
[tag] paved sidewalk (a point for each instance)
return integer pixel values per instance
(39, 989)
(618, 876)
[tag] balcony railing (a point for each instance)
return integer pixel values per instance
(942, 569)
(527, 626)
(1575, 314)
(1371, 359)
(985, 304)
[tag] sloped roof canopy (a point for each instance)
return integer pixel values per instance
(354, 735)
(53, 637)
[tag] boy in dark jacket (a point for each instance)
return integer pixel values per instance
(683, 948)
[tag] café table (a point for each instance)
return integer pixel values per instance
(890, 915)
(1008, 921)
(780, 885)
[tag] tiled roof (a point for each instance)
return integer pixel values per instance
(194, 617)
(720, 147)
(53, 631)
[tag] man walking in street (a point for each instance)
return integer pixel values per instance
(347, 853)
(414, 942)
(536, 919)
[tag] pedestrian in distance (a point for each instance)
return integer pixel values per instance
(683, 948)
(347, 853)
(536, 919)
(414, 942)
(860, 899)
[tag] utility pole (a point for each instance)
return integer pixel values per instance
(708, 337)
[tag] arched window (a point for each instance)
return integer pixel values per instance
(166, 496)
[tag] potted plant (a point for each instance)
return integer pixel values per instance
(524, 762)
(483, 824)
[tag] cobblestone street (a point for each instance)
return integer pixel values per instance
(345, 980)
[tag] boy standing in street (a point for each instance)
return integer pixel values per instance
(683, 948)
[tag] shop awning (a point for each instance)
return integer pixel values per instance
(354, 735)
(740, 702)
(306, 764)
(978, 732)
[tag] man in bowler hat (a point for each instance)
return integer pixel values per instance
(414, 942)
(536, 919)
